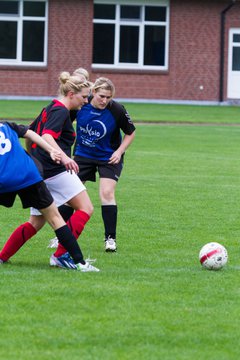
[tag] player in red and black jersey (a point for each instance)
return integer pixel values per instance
(55, 121)
(55, 126)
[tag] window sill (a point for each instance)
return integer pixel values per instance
(23, 67)
(130, 71)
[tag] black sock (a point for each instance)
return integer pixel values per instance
(67, 240)
(109, 215)
(66, 212)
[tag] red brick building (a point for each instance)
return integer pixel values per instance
(185, 50)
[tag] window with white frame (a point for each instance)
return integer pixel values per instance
(131, 35)
(23, 32)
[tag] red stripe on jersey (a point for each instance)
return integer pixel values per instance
(208, 255)
(41, 121)
(58, 103)
(52, 133)
(44, 116)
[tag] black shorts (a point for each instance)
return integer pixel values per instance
(36, 195)
(89, 167)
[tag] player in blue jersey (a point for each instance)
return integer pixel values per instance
(20, 176)
(55, 126)
(100, 148)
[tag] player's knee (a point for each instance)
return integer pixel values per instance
(107, 196)
(87, 208)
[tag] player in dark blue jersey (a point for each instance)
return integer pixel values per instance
(17, 169)
(19, 176)
(100, 148)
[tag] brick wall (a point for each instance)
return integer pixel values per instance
(194, 55)
(194, 52)
(69, 47)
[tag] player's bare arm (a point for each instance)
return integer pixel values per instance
(116, 156)
(69, 163)
(31, 136)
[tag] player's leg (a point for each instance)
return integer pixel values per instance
(66, 240)
(20, 236)
(109, 212)
(81, 203)
(32, 195)
(83, 207)
(62, 231)
(66, 212)
(36, 196)
(109, 175)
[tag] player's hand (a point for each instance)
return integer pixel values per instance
(115, 158)
(56, 156)
(70, 165)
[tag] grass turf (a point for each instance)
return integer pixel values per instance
(151, 300)
(29, 109)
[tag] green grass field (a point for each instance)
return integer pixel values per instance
(152, 300)
(29, 109)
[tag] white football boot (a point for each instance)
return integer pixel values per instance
(110, 245)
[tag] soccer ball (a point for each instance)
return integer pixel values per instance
(213, 256)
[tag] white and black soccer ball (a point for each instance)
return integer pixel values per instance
(213, 256)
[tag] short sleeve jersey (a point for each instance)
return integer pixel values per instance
(54, 120)
(17, 169)
(99, 131)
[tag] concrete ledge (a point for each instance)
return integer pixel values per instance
(134, 100)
